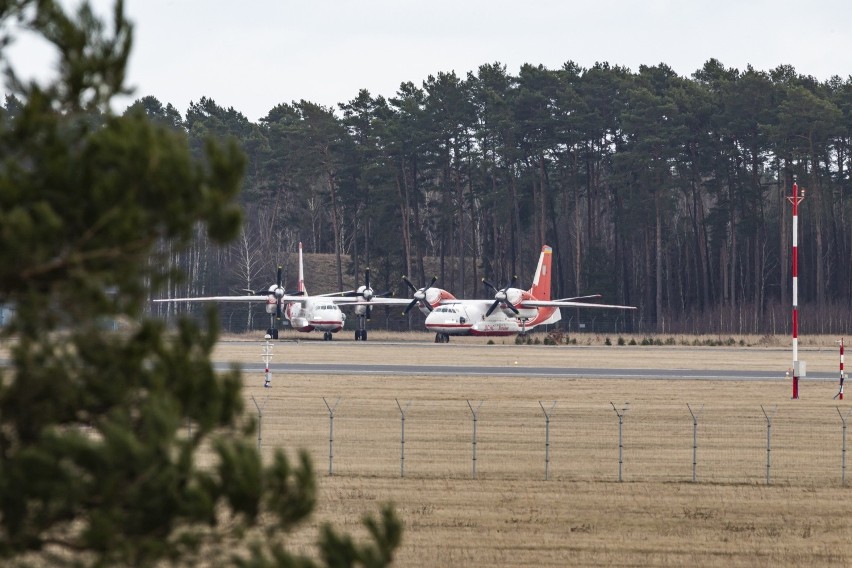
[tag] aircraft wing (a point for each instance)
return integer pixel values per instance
(569, 304)
(466, 302)
(373, 302)
(350, 298)
(216, 299)
(579, 298)
(264, 299)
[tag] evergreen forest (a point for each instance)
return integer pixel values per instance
(664, 192)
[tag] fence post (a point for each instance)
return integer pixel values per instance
(843, 419)
(402, 412)
(547, 414)
(695, 416)
(475, 418)
(259, 419)
(331, 410)
(769, 417)
(620, 414)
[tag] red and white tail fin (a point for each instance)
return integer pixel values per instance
(301, 273)
(541, 282)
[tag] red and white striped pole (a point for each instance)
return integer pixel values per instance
(840, 392)
(795, 199)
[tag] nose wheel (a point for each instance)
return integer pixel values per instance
(442, 337)
(272, 332)
(361, 331)
(326, 336)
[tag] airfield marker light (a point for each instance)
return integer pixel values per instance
(795, 199)
(267, 356)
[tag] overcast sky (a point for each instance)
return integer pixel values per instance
(255, 54)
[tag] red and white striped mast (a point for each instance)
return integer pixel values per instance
(795, 199)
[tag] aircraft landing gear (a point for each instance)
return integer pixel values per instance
(326, 336)
(272, 332)
(442, 337)
(361, 331)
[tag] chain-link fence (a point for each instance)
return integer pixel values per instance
(511, 439)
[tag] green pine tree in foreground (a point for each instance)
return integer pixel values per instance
(101, 432)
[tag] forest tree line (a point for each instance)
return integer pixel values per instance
(655, 190)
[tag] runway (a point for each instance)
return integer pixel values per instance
(392, 359)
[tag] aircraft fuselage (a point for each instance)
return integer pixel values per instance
(468, 318)
(315, 314)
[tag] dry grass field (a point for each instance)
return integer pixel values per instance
(581, 516)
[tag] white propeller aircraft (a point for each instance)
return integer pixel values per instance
(305, 313)
(512, 311)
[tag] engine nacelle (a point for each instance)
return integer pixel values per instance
(516, 297)
(434, 296)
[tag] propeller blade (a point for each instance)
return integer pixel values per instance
(489, 284)
(408, 282)
(278, 313)
(367, 278)
(416, 291)
(279, 276)
(409, 306)
(368, 312)
(512, 307)
(492, 308)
